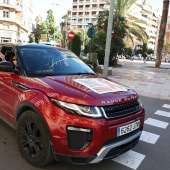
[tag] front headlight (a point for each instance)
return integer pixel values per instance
(79, 109)
(140, 103)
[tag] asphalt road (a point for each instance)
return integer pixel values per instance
(154, 155)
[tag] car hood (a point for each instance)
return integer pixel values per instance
(85, 90)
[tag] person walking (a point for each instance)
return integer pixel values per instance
(145, 57)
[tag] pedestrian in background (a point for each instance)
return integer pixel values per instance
(145, 57)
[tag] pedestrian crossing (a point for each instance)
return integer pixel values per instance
(133, 159)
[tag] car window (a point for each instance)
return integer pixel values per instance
(51, 61)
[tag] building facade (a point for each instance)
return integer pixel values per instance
(86, 11)
(167, 34)
(16, 21)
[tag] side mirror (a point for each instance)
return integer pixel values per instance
(6, 66)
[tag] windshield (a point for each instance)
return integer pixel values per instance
(52, 61)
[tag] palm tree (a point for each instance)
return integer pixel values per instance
(125, 24)
(162, 32)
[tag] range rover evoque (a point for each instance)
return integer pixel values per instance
(62, 110)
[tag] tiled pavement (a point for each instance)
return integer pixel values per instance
(144, 78)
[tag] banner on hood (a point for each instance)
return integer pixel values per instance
(100, 85)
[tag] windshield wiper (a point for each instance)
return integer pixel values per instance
(81, 73)
(43, 74)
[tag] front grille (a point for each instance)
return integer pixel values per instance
(121, 110)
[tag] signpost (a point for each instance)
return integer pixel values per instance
(71, 37)
(91, 34)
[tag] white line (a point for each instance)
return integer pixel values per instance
(130, 159)
(149, 137)
(166, 106)
(156, 123)
(162, 113)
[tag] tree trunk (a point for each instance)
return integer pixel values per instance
(162, 30)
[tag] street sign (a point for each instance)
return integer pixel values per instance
(91, 32)
(71, 35)
(44, 37)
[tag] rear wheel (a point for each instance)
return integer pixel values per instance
(33, 139)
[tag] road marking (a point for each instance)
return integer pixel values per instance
(149, 137)
(162, 113)
(166, 106)
(156, 123)
(130, 159)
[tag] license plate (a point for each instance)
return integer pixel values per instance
(128, 128)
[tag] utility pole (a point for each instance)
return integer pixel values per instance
(108, 39)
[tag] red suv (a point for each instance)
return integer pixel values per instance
(61, 109)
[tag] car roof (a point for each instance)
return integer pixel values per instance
(31, 45)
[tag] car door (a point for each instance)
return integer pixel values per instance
(8, 92)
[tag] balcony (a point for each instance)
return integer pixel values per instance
(80, 9)
(17, 6)
(81, 1)
(88, 1)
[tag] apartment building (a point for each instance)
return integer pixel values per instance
(167, 34)
(15, 20)
(151, 16)
(86, 11)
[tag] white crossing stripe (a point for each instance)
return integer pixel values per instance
(166, 106)
(130, 159)
(162, 113)
(156, 123)
(149, 137)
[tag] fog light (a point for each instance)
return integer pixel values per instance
(79, 138)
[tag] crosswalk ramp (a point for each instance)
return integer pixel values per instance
(133, 159)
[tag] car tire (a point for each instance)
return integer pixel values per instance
(33, 139)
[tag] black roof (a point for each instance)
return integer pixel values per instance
(30, 45)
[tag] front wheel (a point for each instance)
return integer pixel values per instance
(33, 139)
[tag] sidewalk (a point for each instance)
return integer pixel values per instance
(144, 78)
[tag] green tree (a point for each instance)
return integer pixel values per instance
(167, 47)
(124, 26)
(50, 24)
(75, 45)
(38, 30)
(128, 51)
(162, 32)
(144, 48)
(150, 51)
(31, 38)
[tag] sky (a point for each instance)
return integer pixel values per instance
(42, 6)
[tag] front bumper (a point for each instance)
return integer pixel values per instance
(108, 151)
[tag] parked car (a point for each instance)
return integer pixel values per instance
(127, 57)
(165, 60)
(135, 57)
(152, 58)
(62, 110)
